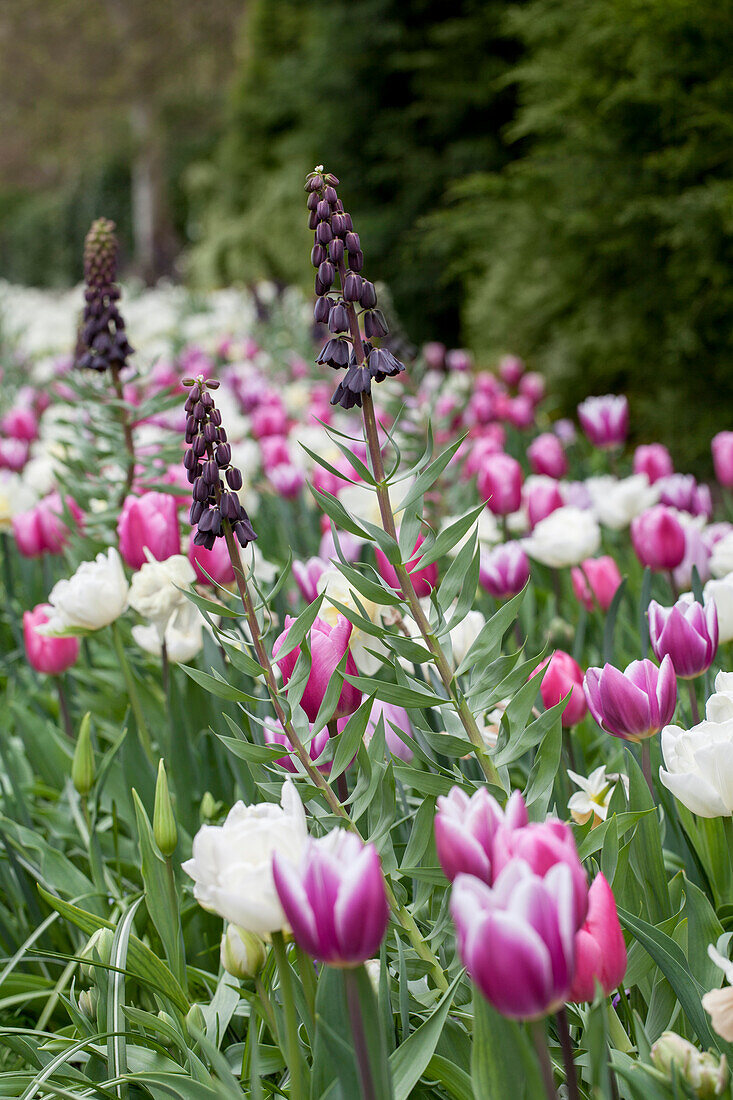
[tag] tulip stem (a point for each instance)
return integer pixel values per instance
(539, 1038)
(127, 432)
(291, 1019)
(64, 707)
(694, 709)
(408, 590)
(132, 695)
(266, 1005)
(646, 765)
(566, 1044)
(361, 1049)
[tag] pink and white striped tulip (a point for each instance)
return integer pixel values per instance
(634, 704)
(687, 632)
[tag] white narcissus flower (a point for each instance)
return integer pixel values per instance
(465, 634)
(699, 767)
(719, 707)
(721, 559)
(184, 635)
(231, 863)
(566, 537)
(594, 796)
(720, 592)
(616, 501)
(155, 591)
(93, 597)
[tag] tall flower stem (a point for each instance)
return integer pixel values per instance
(342, 785)
(127, 432)
(646, 765)
(64, 707)
(137, 710)
(291, 1019)
(566, 1045)
(402, 914)
(694, 709)
(539, 1038)
(368, 1090)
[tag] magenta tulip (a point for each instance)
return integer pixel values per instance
(42, 530)
(434, 355)
(328, 645)
(517, 938)
(532, 385)
(394, 718)
(511, 369)
(633, 704)
(681, 491)
(596, 581)
(216, 562)
(465, 829)
(546, 455)
(148, 522)
(50, 655)
(424, 580)
(504, 571)
(274, 734)
(563, 675)
(688, 632)
(658, 538)
(542, 845)
(654, 460)
(520, 411)
(287, 480)
(306, 575)
(459, 360)
(600, 951)
(722, 448)
(334, 900)
(542, 497)
(500, 483)
(20, 423)
(605, 420)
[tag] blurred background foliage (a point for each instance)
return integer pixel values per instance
(552, 177)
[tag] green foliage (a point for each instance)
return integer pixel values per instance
(604, 252)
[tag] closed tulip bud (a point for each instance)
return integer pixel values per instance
(654, 460)
(209, 807)
(195, 1020)
(242, 953)
(596, 581)
(328, 645)
(517, 938)
(500, 483)
(334, 898)
(465, 829)
(563, 675)
(546, 455)
(542, 497)
(82, 766)
(98, 949)
(605, 420)
(636, 703)
(88, 1000)
(706, 1073)
(658, 538)
(164, 820)
(511, 369)
(688, 632)
(600, 951)
(504, 571)
(424, 580)
(722, 448)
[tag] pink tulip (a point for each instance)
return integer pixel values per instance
(542, 845)
(563, 675)
(504, 571)
(542, 496)
(688, 632)
(565, 431)
(328, 645)
(270, 419)
(350, 546)
(149, 521)
(722, 448)
(654, 460)
(20, 423)
(517, 938)
(334, 900)
(596, 581)
(600, 951)
(13, 454)
(275, 451)
(50, 655)
(682, 491)
(286, 480)
(434, 355)
(658, 538)
(458, 360)
(216, 562)
(42, 530)
(532, 385)
(393, 716)
(490, 442)
(547, 456)
(500, 483)
(697, 554)
(520, 412)
(274, 734)
(636, 703)
(306, 575)
(424, 580)
(605, 420)
(511, 369)
(465, 828)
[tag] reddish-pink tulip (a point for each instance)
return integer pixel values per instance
(511, 369)
(600, 951)
(546, 455)
(596, 581)
(148, 522)
(500, 483)
(542, 497)
(42, 530)
(654, 460)
(658, 538)
(20, 423)
(424, 580)
(274, 734)
(563, 675)
(307, 574)
(216, 562)
(722, 448)
(328, 645)
(49, 655)
(532, 385)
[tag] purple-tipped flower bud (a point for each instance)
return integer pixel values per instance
(368, 297)
(352, 287)
(323, 210)
(321, 310)
(324, 233)
(352, 241)
(338, 225)
(330, 195)
(338, 320)
(326, 273)
(223, 454)
(356, 261)
(336, 250)
(234, 478)
(318, 255)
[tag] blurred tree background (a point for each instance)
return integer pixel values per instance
(552, 177)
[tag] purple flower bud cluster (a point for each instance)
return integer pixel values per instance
(338, 260)
(102, 342)
(209, 456)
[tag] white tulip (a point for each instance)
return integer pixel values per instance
(720, 592)
(155, 591)
(719, 707)
(699, 767)
(232, 863)
(93, 597)
(617, 501)
(721, 559)
(465, 634)
(566, 537)
(184, 636)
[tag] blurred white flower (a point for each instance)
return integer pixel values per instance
(719, 707)
(465, 634)
(566, 537)
(720, 592)
(184, 636)
(155, 591)
(721, 559)
(616, 502)
(93, 597)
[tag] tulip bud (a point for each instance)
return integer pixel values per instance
(88, 1000)
(243, 954)
(82, 767)
(705, 1073)
(98, 949)
(209, 807)
(195, 1019)
(164, 820)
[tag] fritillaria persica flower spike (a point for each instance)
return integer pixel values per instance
(102, 342)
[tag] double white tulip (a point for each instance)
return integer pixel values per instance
(232, 863)
(93, 597)
(156, 589)
(699, 761)
(566, 537)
